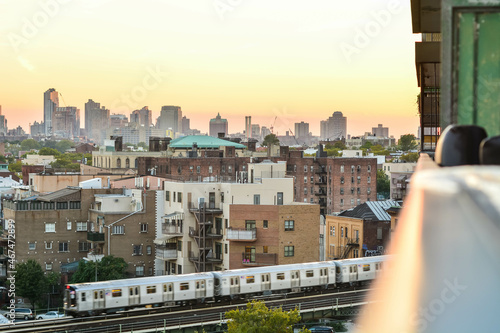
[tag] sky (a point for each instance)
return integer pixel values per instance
(280, 62)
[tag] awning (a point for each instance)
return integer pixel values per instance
(174, 216)
(163, 239)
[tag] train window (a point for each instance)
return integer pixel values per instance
(202, 284)
(164, 288)
(197, 284)
(338, 270)
(366, 268)
(184, 286)
(250, 279)
(131, 291)
(95, 294)
(350, 269)
(151, 290)
(280, 276)
(309, 273)
(83, 297)
(116, 293)
(101, 294)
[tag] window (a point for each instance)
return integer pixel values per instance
(369, 179)
(352, 180)
(115, 293)
(210, 169)
(139, 270)
(256, 199)
(352, 202)
(359, 168)
(48, 267)
(310, 273)
(167, 195)
(226, 248)
(179, 197)
(341, 202)
(144, 227)
(68, 225)
(198, 169)
(184, 286)
(358, 190)
(265, 224)
(332, 230)
(305, 190)
(312, 179)
(50, 227)
(179, 246)
(149, 249)
(341, 190)
(265, 249)
(36, 205)
(295, 168)
(312, 200)
(366, 268)
(280, 276)
(61, 205)
(63, 247)
(368, 190)
(359, 201)
(332, 250)
(342, 180)
(31, 246)
(249, 224)
(346, 232)
(369, 168)
(305, 168)
(289, 225)
(81, 226)
(118, 230)
(352, 168)
(74, 205)
(137, 250)
(379, 233)
(48, 245)
(305, 180)
(151, 290)
(250, 279)
(359, 179)
(179, 169)
(83, 246)
(342, 168)
(289, 251)
(84, 297)
(279, 198)
(223, 169)
(352, 190)
(312, 168)
(230, 169)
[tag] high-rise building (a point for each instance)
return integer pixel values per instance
(3, 123)
(186, 126)
(118, 120)
(170, 118)
(37, 129)
(96, 121)
(248, 126)
(255, 131)
(302, 131)
(381, 131)
(66, 122)
(142, 117)
(50, 103)
(334, 127)
(218, 125)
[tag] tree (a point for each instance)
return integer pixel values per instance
(31, 282)
(257, 318)
(49, 151)
(383, 184)
(64, 145)
(15, 167)
(50, 144)
(270, 139)
(407, 142)
(410, 157)
(30, 144)
(109, 268)
(143, 145)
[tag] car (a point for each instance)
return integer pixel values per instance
(319, 329)
(23, 313)
(50, 315)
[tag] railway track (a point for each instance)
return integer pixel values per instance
(172, 318)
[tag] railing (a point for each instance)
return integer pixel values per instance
(167, 228)
(353, 241)
(259, 259)
(235, 234)
(204, 205)
(95, 237)
(166, 254)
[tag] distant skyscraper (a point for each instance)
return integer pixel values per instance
(264, 131)
(334, 127)
(170, 118)
(3, 123)
(66, 122)
(37, 129)
(118, 120)
(302, 131)
(248, 126)
(142, 117)
(218, 125)
(96, 121)
(255, 131)
(50, 103)
(186, 125)
(380, 131)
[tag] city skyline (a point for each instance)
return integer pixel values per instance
(268, 60)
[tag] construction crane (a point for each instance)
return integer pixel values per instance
(62, 99)
(272, 126)
(298, 144)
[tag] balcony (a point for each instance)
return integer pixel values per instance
(242, 235)
(166, 254)
(259, 259)
(171, 229)
(320, 180)
(96, 237)
(353, 241)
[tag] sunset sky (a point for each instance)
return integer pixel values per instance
(294, 60)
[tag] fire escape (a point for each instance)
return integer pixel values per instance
(321, 182)
(350, 245)
(205, 235)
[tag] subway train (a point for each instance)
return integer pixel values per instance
(109, 296)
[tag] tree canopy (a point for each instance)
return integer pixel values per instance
(30, 144)
(15, 167)
(410, 157)
(49, 151)
(407, 142)
(270, 139)
(64, 145)
(31, 281)
(257, 318)
(109, 268)
(383, 184)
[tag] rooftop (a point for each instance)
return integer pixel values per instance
(203, 141)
